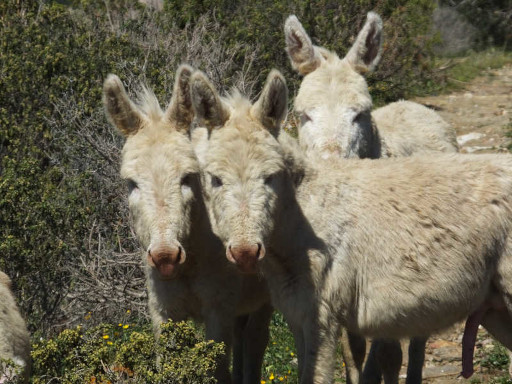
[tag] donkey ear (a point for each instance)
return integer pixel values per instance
(121, 111)
(272, 106)
(207, 104)
(304, 56)
(180, 112)
(365, 54)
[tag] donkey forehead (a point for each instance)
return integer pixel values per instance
(245, 152)
(333, 84)
(169, 152)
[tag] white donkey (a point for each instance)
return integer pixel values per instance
(14, 337)
(394, 248)
(336, 121)
(187, 273)
(335, 105)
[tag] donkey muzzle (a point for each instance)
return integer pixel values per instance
(165, 259)
(246, 256)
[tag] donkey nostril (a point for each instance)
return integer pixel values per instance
(178, 256)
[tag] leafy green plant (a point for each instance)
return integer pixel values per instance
(280, 361)
(123, 353)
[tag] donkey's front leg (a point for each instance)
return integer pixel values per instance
(255, 340)
(219, 328)
(320, 340)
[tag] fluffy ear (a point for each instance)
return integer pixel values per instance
(180, 112)
(304, 56)
(364, 55)
(207, 104)
(121, 111)
(272, 106)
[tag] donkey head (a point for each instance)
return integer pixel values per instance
(244, 172)
(160, 168)
(333, 102)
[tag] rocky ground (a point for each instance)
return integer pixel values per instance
(482, 115)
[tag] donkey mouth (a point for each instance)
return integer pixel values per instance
(167, 267)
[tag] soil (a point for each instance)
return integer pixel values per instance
(481, 114)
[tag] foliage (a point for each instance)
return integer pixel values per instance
(497, 358)
(458, 71)
(491, 18)
(10, 372)
(122, 353)
(280, 360)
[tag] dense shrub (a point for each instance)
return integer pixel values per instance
(492, 20)
(120, 353)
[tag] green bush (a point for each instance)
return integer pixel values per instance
(125, 354)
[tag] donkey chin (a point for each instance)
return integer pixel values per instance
(166, 259)
(245, 255)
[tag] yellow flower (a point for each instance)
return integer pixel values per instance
(125, 326)
(109, 343)
(281, 378)
(271, 377)
(292, 354)
(120, 324)
(128, 311)
(105, 337)
(263, 381)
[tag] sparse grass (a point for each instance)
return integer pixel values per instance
(497, 358)
(459, 70)
(472, 65)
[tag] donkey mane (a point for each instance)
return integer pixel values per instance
(148, 103)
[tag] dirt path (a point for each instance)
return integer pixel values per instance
(481, 115)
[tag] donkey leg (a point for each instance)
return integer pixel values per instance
(416, 360)
(353, 349)
(372, 373)
(255, 340)
(238, 349)
(298, 337)
(219, 328)
(386, 358)
(389, 357)
(499, 324)
(320, 342)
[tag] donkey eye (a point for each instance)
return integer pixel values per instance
(132, 185)
(270, 178)
(186, 180)
(359, 117)
(216, 181)
(304, 118)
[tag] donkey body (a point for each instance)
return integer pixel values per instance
(336, 121)
(388, 249)
(14, 337)
(187, 275)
